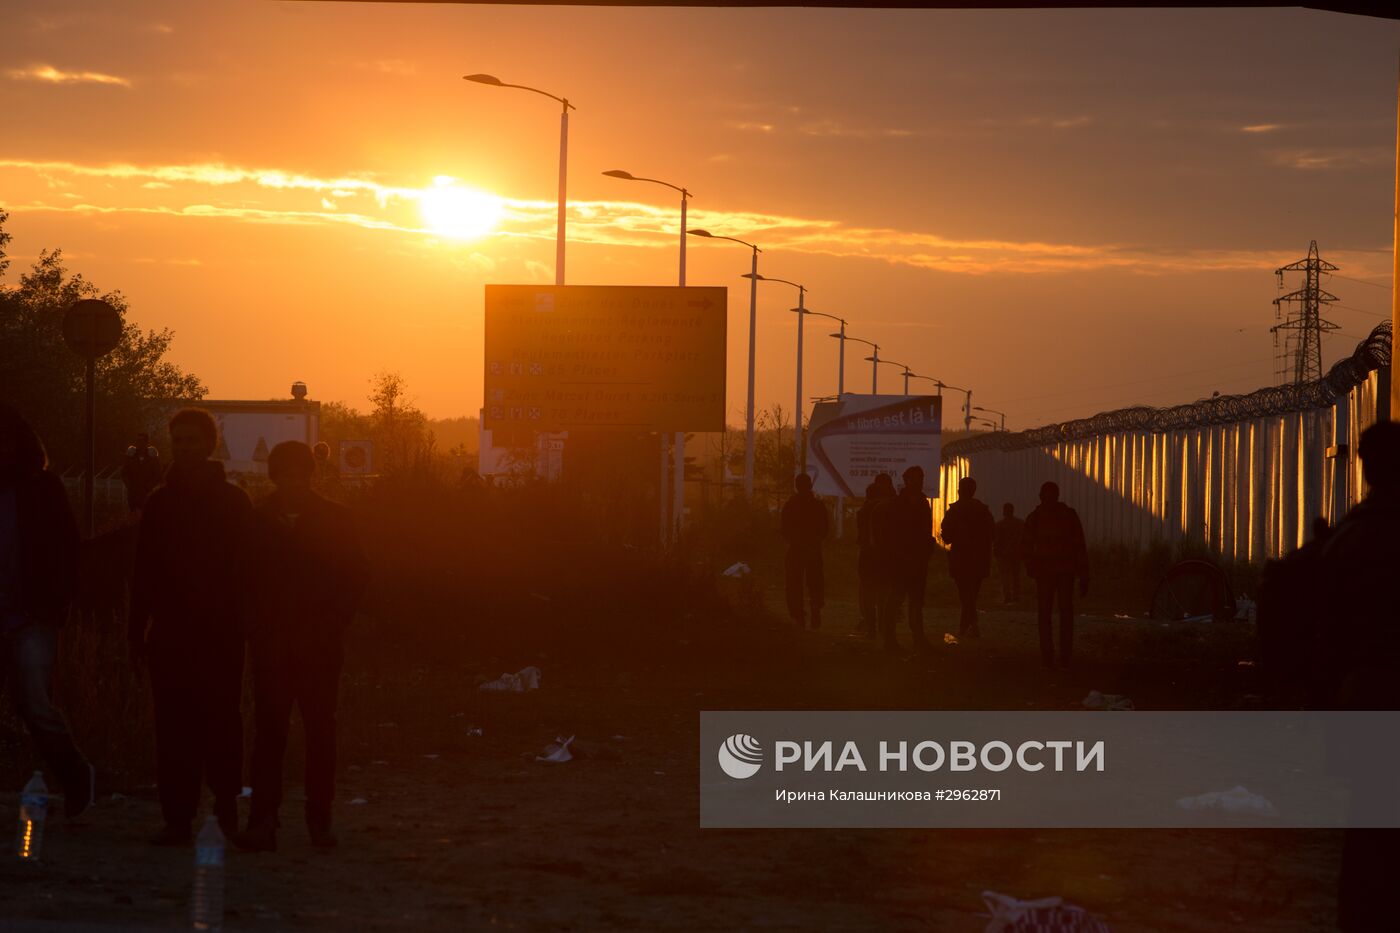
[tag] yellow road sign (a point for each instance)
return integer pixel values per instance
(628, 357)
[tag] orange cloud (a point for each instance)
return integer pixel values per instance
(51, 75)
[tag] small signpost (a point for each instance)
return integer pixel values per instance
(92, 328)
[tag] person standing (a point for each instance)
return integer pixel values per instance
(1006, 547)
(804, 528)
(1356, 655)
(141, 471)
(869, 565)
(307, 575)
(903, 532)
(1055, 553)
(968, 530)
(38, 578)
(186, 626)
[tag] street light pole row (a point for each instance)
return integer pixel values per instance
(754, 278)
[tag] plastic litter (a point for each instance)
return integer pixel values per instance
(949, 638)
(527, 678)
(1246, 610)
(475, 730)
(1010, 915)
(1237, 799)
(740, 569)
(247, 793)
(1119, 615)
(358, 802)
(1109, 701)
(557, 751)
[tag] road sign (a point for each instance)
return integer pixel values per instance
(625, 357)
(92, 328)
(357, 457)
(851, 441)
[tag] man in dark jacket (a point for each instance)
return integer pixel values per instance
(307, 575)
(186, 615)
(968, 530)
(1006, 548)
(38, 578)
(903, 532)
(804, 528)
(1358, 654)
(869, 565)
(1055, 553)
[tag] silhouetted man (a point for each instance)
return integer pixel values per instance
(1360, 653)
(869, 565)
(186, 609)
(1006, 547)
(968, 530)
(307, 576)
(1291, 607)
(141, 471)
(1055, 553)
(903, 528)
(38, 579)
(804, 528)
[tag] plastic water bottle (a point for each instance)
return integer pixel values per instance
(33, 807)
(207, 904)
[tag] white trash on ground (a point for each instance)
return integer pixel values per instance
(527, 678)
(358, 802)
(557, 751)
(1010, 915)
(740, 569)
(1110, 701)
(1237, 799)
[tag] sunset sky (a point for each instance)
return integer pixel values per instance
(1068, 211)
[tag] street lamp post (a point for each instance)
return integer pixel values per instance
(840, 356)
(797, 452)
(993, 411)
(967, 405)
(753, 328)
(492, 81)
(874, 363)
(679, 493)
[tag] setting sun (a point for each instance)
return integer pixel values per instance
(461, 213)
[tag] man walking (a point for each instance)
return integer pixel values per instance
(186, 608)
(903, 532)
(1357, 656)
(38, 577)
(869, 565)
(1055, 553)
(307, 575)
(1006, 547)
(804, 527)
(968, 530)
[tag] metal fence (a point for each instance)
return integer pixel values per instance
(1241, 475)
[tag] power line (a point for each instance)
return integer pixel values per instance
(1358, 281)
(1116, 385)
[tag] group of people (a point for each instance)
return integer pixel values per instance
(895, 539)
(215, 578)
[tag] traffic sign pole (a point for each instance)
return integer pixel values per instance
(91, 328)
(91, 442)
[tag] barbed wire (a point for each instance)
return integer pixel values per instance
(1346, 374)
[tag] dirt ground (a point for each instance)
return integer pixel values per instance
(441, 829)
